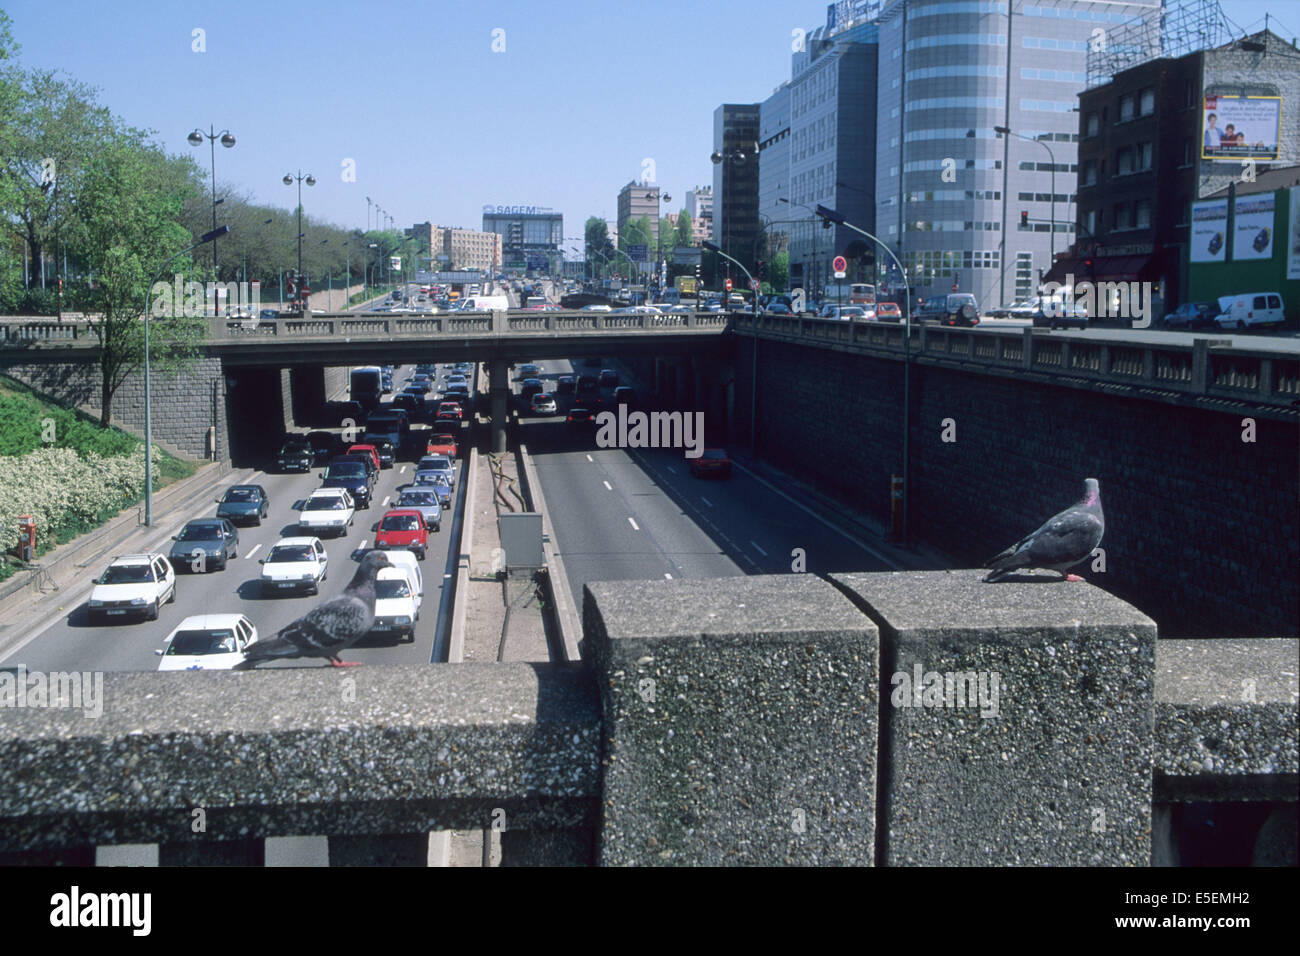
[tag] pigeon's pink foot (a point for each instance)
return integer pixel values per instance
(1073, 577)
(338, 663)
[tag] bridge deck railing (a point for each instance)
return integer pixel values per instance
(1204, 369)
(736, 721)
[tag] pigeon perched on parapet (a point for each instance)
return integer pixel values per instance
(1061, 543)
(330, 627)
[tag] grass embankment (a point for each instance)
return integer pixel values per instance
(30, 424)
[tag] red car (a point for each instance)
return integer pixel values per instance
(442, 443)
(713, 461)
(403, 528)
(370, 450)
(450, 412)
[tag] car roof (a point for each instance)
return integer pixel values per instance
(328, 492)
(205, 621)
(134, 559)
(403, 511)
(298, 539)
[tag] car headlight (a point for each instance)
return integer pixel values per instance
(402, 619)
(309, 576)
(137, 600)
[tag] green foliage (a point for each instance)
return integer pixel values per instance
(685, 235)
(26, 421)
(778, 271)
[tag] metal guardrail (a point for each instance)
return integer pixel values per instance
(1203, 369)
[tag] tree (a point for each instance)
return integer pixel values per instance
(127, 221)
(10, 97)
(596, 234)
(685, 234)
(667, 237)
(778, 271)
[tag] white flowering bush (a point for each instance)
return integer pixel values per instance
(62, 489)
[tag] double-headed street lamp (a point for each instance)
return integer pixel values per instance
(811, 280)
(288, 180)
(830, 215)
(196, 139)
(148, 416)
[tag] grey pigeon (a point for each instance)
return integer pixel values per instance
(1061, 543)
(330, 627)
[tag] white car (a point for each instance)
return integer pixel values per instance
(294, 564)
(543, 404)
(207, 642)
(132, 585)
(1250, 309)
(328, 510)
(397, 603)
(597, 308)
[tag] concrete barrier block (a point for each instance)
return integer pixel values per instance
(1028, 740)
(740, 722)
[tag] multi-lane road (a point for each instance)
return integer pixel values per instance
(70, 642)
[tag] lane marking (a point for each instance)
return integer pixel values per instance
(671, 469)
(608, 485)
(384, 503)
(589, 458)
(668, 576)
(253, 551)
(403, 471)
(758, 549)
(706, 501)
(633, 523)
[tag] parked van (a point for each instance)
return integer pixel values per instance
(486, 303)
(1249, 308)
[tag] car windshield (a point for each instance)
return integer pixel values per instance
(296, 447)
(190, 643)
(400, 523)
(290, 552)
(417, 498)
(347, 469)
(127, 574)
(241, 494)
(435, 463)
(387, 588)
(201, 532)
(325, 503)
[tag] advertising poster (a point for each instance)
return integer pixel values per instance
(1293, 240)
(1209, 231)
(1240, 127)
(1252, 226)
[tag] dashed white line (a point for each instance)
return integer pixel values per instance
(384, 503)
(758, 549)
(668, 576)
(403, 471)
(706, 501)
(608, 486)
(632, 522)
(253, 551)
(589, 458)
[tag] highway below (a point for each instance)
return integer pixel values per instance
(69, 642)
(637, 514)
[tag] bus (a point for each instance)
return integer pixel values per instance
(365, 386)
(849, 293)
(686, 285)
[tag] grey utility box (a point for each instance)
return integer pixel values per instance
(521, 539)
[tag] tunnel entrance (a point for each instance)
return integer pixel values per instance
(254, 415)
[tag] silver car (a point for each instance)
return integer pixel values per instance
(440, 464)
(424, 499)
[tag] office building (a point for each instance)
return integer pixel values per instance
(735, 183)
(531, 236)
(950, 190)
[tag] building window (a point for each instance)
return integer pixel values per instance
(1093, 127)
(1143, 214)
(1089, 172)
(1123, 216)
(1089, 223)
(1127, 107)
(1147, 102)
(1123, 161)
(1143, 156)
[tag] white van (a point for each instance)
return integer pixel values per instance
(1249, 308)
(406, 561)
(485, 303)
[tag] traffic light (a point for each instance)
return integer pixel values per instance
(1024, 219)
(762, 269)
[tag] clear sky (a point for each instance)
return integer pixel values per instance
(435, 122)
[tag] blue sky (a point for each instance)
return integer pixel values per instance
(437, 123)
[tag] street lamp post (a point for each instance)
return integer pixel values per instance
(148, 390)
(830, 215)
(753, 374)
(196, 138)
(288, 180)
(1051, 157)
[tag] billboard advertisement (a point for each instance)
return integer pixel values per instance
(1209, 231)
(1240, 127)
(1293, 240)
(1252, 227)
